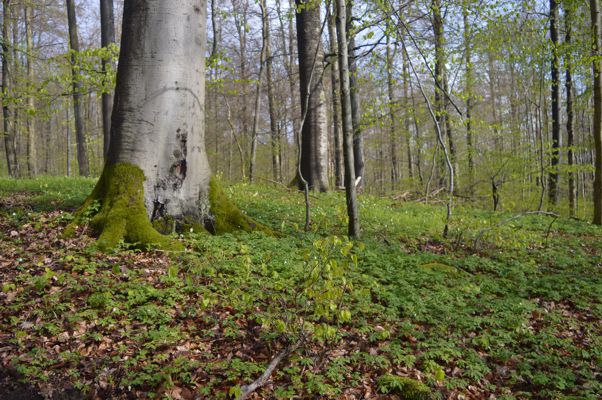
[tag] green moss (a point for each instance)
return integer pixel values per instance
(122, 214)
(406, 388)
(227, 216)
(440, 268)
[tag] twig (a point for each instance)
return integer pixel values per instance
(247, 390)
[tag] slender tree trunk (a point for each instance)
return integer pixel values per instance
(358, 139)
(394, 175)
(569, 110)
(407, 115)
(256, 116)
(597, 131)
(9, 137)
(555, 104)
(82, 153)
(440, 81)
(469, 93)
(241, 21)
(350, 179)
(29, 118)
(336, 101)
(107, 37)
(314, 136)
(275, 137)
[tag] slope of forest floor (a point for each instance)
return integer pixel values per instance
(506, 308)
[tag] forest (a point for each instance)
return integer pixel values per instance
(333, 199)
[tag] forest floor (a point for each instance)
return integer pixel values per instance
(505, 308)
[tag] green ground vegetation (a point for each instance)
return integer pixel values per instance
(510, 307)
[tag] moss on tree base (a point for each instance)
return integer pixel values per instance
(227, 217)
(122, 215)
(117, 213)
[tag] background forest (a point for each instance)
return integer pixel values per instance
(513, 125)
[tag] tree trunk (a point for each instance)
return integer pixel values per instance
(9, 138)
(82, 153)
(392, 118)
(469, 93)
(408, 116)
(29, 118)
(358, 139)
(350, 184)
(157, 169)
(597, 131)
(314, 136)
(555, 104)
(336, 101)
(274, 134)
(107, 37)
(568, 21)
(256, 114)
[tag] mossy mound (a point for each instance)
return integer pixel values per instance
(405, 388)
(227, 217)
(440, 268)
(122, 214)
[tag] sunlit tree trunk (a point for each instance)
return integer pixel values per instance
(358, 139)
(350, 185)
(82, 153)
(314, 135)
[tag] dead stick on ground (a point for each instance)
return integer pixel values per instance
(247, 390)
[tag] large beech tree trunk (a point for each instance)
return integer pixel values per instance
(314, 135)
(157, 169)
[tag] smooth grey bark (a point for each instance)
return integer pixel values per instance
(107, 37)
(555, 105)
(335, 84)
(358, 139)
(350, 184)
(82, 153)
(597, 129)
(158, 116)
(314, 135)
(29, 117)
(9, 138)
